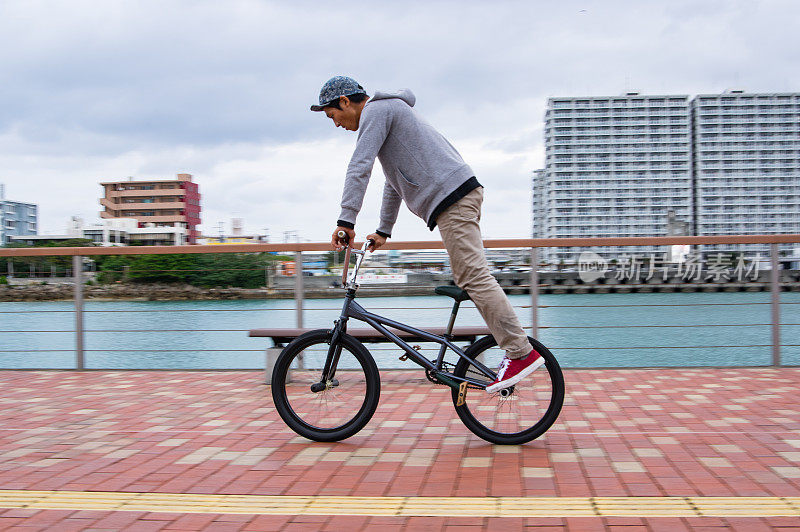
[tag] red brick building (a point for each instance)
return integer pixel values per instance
(168, 203)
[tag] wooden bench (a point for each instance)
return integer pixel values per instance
(281, 337)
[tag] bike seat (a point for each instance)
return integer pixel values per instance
(459, 294)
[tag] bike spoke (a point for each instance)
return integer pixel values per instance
(523, 406)
(325, 410)
(332, 407)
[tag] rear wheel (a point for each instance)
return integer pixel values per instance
(518, 414)
(343, 406)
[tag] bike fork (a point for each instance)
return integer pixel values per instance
(327, 379)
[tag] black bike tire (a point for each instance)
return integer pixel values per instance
(358, 421)
(524, 436)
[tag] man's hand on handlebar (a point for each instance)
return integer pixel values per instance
(377, 241)
(344, 237)
(340, 243)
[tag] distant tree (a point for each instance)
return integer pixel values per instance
(62, 263)
(331, 258)
(42, 264)
(163, 268)
(71, 243)
(111, 268)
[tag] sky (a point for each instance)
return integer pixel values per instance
(95, 91)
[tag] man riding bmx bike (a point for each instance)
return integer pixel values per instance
(423, 169)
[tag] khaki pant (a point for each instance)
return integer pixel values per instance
(461, 234)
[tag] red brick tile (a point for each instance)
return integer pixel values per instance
(748, 524)
(267, 522)
(144, 526)
(224, 527)
(777, 522)
(666, 524)
(585, 524)
(339, 523)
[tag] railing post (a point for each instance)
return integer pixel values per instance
(298, 287)
(298, 297)
(535, 292)
(775, 293)
(77, 271)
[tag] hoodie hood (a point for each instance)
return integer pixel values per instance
(403, 94)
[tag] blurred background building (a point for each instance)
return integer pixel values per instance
(746, 166)
(237, 235)
(17, 218)
(112, 232)
(615, 166)
(168, 203)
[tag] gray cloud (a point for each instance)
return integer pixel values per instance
(95, 90)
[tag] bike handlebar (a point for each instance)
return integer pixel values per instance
(346, 238)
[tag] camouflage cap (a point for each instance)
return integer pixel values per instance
(335, 88)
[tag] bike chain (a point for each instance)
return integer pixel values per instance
(431, 377)
(449, 368)
(446, 366)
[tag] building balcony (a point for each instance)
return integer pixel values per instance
(154, 192)
(161, 219)
(158, 205)
(147, 219)
(109, 204)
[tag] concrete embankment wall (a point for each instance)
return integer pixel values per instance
(421, 284)
(565, 283)
(571, 283)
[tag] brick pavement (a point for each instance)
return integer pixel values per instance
(622, 433)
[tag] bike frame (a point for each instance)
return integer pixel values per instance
(351, 309)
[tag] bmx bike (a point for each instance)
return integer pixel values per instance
(326, 385)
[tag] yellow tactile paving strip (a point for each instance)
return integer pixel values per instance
(406, 506)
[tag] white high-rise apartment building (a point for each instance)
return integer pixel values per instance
(614, 166)
(747, 166)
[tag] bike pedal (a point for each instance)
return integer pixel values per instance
(462, 394)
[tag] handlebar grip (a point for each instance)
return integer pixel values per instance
(344, 236)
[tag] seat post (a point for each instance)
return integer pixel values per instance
(452, 318)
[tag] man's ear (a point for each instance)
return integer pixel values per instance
(344, 101)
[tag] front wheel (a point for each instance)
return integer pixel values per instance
(329, 411)
(518, 414)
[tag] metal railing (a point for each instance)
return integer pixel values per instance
(534, 245)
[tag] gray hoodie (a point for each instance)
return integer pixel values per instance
(422, 168)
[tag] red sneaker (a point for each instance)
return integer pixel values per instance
(513, 370)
